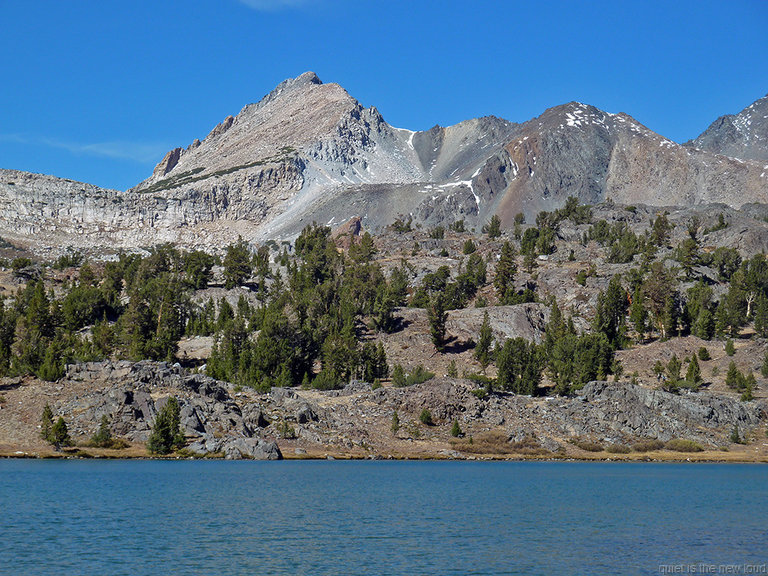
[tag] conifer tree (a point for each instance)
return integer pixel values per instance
(237, 264)
(437, 319)
(60, 434)
(505, 273)
(693, 374)
(46, 423)
(166, 433)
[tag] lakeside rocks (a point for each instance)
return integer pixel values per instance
(131, 395)
(245, 424)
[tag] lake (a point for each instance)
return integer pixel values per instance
(366, 517)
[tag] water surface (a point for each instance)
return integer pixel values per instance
(318, 517)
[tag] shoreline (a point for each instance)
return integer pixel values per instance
(706, 457)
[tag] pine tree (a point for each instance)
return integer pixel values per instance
(438, 317)
(505, 273)
(237, 264)
(693, 374)
(60, 434)
(46, 423)
(395, 422)
(493, 227)
(456, 429)
(103, 437)
(166, 433)
(734, 378)
(673, 370)
(398, 376)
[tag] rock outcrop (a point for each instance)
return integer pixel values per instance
(132, 394)
(358, 417)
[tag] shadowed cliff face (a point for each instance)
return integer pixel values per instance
(308, 152)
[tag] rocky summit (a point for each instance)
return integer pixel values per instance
(743, 136)
(309, 151)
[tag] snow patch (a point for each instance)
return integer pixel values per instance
(468, 184)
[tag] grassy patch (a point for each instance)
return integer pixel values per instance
(648, 445)
(497, 442)
(587, 445)
(681, 445)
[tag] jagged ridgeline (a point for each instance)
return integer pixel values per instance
(309, 152)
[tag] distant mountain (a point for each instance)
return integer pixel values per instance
(578, 150)
(743, 136)
(308, 152)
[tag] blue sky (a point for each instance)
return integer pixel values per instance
(98, 91)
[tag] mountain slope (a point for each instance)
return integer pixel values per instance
(308, 152)
(744, 135)
(578, 150)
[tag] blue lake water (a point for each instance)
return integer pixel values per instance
(319, 517)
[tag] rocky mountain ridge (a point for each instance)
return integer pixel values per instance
(308, 151)
(743, 135)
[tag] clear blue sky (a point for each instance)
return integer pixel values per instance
(98, 91)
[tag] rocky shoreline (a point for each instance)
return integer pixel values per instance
(603, 421)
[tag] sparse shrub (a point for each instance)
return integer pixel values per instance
(587, 445)
(103, 436)
(453, 372)
(286, 430)
(648, 445)
(426, 417)
(398, 376)
(418, 375)
(458, 226)
(480, 393)
(618, 449)
(682, 445)
(437, 233)
(401, 226)
(736, 437)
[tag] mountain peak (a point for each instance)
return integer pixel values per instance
(743, 135)
(308, 77)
